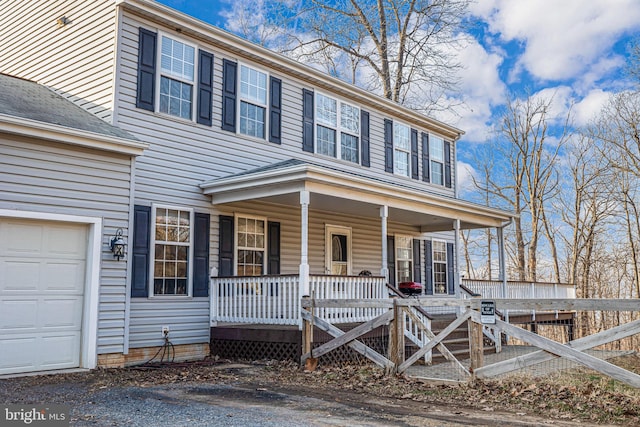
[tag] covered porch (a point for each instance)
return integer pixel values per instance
(334, 227)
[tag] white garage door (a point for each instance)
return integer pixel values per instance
(42, 279)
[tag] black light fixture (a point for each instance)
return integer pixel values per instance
(117, 245)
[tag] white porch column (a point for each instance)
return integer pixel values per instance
(501, 263)
(384, 214)
(456, 275)
(304, 243)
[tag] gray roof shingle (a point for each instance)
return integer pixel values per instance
(30, 100)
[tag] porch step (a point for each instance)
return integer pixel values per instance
(457, 342)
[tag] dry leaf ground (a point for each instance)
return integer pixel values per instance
(576, 397)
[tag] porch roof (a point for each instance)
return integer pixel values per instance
(334, 190)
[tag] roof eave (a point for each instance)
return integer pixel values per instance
(62, 134)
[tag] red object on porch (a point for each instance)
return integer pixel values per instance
(410, 287)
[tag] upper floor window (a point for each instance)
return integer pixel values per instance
(171, 249)
(174, 77)
(253, 102)
(401, 149)
(177, 75)
(436, 158)
(337, 128)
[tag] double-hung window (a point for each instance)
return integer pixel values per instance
(251, 245)
(436, 158)
(177, 76)
(253, 102)
(337, 128)
(401, 149)
(404, 258)
(439, 267)
(172, 237)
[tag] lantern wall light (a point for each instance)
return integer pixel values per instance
(117, 245)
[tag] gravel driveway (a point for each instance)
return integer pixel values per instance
(231, 394)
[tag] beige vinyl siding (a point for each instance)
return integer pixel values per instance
(365, 235)
(76, 60)
(44, 177)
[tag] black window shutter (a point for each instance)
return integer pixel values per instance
(450, 270)
(388, 145)
(146, 69)
(275, 110)
(273, 252)
(201, 254)
(391, 259)
(425, 157)
(225, 255)
(365, 158)
(417, 268)
(414, 154)
(229, 76)
(447, 164)
(205, 87)
(428, 268)
(307, 120)
(140, 251)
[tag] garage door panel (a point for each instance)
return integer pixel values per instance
(42, 284)
(18, 315)
(13, 352)
(64, 276)
(19, 275)
(61, 313)
(61, 351)
(22, 238)
(65, 242)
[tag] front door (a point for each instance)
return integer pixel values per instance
(338, 250)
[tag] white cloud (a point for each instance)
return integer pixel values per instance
(562, 39)
(481, 90)
(465, 173)
(590, 106)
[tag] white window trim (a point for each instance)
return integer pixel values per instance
(337, 229)
(433, 270)
(395, 255)
(396, 148)
(240, 99)
(431, 160)
(339, 130)
(235, 240)
(152, 249)
(159, 74)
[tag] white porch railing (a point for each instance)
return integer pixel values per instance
(272, 300)
(275, 300)
(348, 287)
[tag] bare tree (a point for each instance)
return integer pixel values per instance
(403, 49)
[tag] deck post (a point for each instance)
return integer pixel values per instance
(396, 337)
(384, 214)
(476, 343)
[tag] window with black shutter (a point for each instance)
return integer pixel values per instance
(182, 73)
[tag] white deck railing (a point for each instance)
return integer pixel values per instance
(275, 300)
(520, 290)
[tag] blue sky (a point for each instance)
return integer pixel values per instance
(572, 50)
